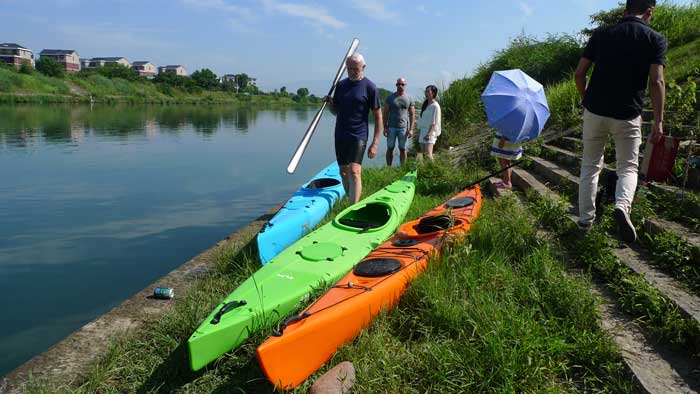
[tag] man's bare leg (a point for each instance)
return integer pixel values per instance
(403, 156)
(345, 175)
(389, 157)
(355, 182)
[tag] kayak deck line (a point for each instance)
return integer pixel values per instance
(303, 344)
(307, 206)
(314, 262)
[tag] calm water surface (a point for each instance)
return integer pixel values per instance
(97, 203)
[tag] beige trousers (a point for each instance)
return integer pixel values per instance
(628, 136)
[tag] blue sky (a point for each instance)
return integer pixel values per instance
(294, 42)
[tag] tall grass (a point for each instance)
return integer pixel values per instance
(679, 23)
(552, 59)
(564, 105)
(496, 314)
(548, 60)
(14, 82)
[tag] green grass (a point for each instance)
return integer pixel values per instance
(16, 83)
(37, 88)
(636, 296)
(683, 61)
(565, 105)
(496, 314)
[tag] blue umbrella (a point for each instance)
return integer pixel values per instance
(515, 105)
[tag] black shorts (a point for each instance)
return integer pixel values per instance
(349, 151)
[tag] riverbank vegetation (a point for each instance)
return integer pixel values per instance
(496, 313)
(110, 84)
(551, 60)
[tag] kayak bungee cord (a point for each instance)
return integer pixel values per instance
(445, 218)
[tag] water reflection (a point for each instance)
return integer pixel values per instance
(98, 202)
(24, 126)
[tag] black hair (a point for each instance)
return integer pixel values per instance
(433, 89)
(639, 6)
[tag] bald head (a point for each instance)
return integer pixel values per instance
(401, 85)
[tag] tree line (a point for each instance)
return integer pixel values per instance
(199, 81)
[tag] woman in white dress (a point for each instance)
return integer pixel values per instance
(429, 123)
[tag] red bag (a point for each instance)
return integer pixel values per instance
(659, 159)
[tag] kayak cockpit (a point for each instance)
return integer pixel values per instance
(367, 217)
(322, 183)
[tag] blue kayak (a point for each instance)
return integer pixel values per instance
(301, 213)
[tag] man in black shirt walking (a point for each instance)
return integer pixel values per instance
(626, 56)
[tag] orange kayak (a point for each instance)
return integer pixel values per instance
(306, 341)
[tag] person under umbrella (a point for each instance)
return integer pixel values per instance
(517, 108)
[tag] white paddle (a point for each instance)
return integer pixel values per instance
(312, 127)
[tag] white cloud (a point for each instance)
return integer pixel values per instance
(315, 14)
(122, 39)
(220, 5)
(375, 9)
(238, 18)
(526, 8)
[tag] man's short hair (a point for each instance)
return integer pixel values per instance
(639, 6)
(357, 58)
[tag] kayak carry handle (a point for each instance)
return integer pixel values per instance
(226, 308)
(291, 320)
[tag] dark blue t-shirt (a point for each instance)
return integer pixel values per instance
(353, 100)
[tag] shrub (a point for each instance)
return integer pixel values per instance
(26, 69)
(679, 23)
(564, 105)
(549, 61)
(50, 67)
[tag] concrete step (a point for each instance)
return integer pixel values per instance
(570, 160)
(555, 175)
(693, 208)
(655, 368)
(638, 261)
(659, 225)
(572, 144)
(495, 191)
(524, 181)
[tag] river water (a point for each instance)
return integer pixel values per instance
(98, 202)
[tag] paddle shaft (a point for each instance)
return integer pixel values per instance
(515, 163)
(301, 148)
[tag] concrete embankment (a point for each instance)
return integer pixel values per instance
(68, 360)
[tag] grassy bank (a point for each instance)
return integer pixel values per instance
(495, 314)
(552, 60)
(16, 87)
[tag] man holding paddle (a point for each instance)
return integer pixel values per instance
(352, 102)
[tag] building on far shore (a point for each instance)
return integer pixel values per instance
(228, 78)
(15, 54)
(234, 78)
(144, 68)
(107, 61)
(175, 69)
(84, 64)
(68, 58)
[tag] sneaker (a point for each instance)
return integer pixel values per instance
(625, 226)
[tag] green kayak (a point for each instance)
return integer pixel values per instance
(321, 257)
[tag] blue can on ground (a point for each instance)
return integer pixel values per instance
(163, 293)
